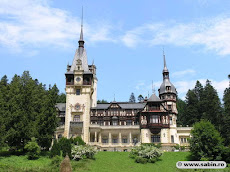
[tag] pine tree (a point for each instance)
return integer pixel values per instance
(3, 108)
(132, 98)
(47, 120)
(225, 128)
(191, 112)
(15, 120)
(181, 106)
(211, 106)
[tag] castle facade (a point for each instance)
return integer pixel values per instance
(117, 125)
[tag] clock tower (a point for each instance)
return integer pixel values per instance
(81, 93)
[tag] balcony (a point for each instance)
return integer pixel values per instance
(76, 124)
(155, 125)
(119, 127)
(158, 125)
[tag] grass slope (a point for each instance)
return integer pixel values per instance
(104, 162)
(120, 161)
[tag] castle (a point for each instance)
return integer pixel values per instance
(117, 125)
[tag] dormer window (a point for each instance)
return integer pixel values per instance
(168, 88)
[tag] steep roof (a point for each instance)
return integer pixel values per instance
(154, 98)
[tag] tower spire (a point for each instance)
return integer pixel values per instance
(165, 66)
(81, 41)
(81, 35)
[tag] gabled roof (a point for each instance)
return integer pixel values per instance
(154, 98)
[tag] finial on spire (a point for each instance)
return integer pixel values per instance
(81, 35)
(165, 66)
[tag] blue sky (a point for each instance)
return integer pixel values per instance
(125, 40)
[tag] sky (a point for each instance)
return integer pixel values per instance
(124, 39)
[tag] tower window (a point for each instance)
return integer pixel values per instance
(78, 91)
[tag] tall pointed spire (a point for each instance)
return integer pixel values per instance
(81, 35)
(81, 40)
(165, 66)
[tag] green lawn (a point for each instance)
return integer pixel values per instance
(104, 162)
(120, 161)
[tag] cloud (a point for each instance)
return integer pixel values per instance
(213, 34)
(33, 23)
(183, 73)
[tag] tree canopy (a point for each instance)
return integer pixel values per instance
(27, 110)
(206, 142)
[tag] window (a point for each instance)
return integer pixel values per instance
(171, 121)
(115, 122)
(169, 107)
(181, 140)
(168, 96)
(172, 139)
(124, 140)
(104, 140)
(76, 118)
(155, 138)
(185, 140)
(163, 97)
(78, 91)
(115, 140)
(154, 119)
(128, 122)
(101, 122)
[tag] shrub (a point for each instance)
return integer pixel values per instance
(56, 161)
(206, 142)
(55, 150)
(65, 146)
(79, 152)
(177, 147)
(77, 141)
(32, 149)
(182, 148)
(141, 160)
(158, 145)
(148, 152)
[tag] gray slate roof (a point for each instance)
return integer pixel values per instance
(60, 106)
(154, 98)
(165, 83)
(83, 57)
(123, 105)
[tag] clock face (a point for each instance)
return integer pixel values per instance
(78, 79)
(77, 106)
